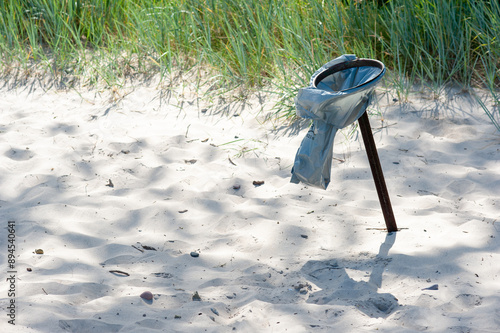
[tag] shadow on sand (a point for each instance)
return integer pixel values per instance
(337, 287)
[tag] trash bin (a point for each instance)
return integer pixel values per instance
(338, 94)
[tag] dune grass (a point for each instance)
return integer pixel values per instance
(249, 43)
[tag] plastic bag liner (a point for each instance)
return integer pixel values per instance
(338, 94)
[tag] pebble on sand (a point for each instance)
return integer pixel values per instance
(147, 295)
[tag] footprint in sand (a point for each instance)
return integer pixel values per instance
(463, 303)
(380, 306)
(19, 154)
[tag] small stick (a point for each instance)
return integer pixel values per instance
(119, 272)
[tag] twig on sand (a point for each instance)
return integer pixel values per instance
(135, 247)
(117, 272)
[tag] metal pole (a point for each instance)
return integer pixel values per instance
(378, 176)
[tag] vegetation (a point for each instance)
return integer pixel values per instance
(251, 43)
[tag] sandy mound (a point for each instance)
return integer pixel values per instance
(155, 192)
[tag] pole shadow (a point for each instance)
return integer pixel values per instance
(338, 288)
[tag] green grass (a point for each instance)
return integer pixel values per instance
(249, 43)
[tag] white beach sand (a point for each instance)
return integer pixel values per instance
(278, 257)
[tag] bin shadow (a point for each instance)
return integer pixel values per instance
(338, 288)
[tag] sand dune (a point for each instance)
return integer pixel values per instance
(141, 183)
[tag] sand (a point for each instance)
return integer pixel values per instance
(148, 189)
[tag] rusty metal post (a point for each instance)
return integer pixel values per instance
(378, 176)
